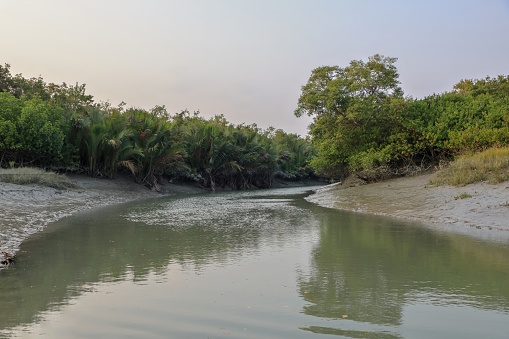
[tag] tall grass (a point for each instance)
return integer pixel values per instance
(491, 166)
(30, 175)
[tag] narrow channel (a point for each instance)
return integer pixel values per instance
(252, 264)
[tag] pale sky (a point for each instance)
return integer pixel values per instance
(247, 59)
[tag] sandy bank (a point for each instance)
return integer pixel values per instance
(479, 206)
(28, 209)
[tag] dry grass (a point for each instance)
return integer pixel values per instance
(491, 166)
(29, 175)
(463, 196)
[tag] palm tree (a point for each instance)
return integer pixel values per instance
(120, 150)
(91, 139)
(156, 146)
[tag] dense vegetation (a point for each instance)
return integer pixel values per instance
(364, 124)
(61, 127)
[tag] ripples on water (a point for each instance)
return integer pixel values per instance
(218, 211)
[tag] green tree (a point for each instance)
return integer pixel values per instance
(156, 147)
(10, 110)
(293, 156)
(211, 151)
(40, 132)
(355, 110)
(61, 126)
(6, 81)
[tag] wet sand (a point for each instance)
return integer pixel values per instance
(478, 206)
(27, 209)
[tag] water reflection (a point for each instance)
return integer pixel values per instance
(368, 269)
(132, 241)
(302, 269)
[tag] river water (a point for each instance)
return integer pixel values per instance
(261, 264)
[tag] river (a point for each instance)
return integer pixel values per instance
(258, 264)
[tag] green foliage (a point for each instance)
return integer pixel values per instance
(155, 146)
(362, 121)
(293, 154)
(5, 78)
(10, 109)
(31, 130)
(60, 126)
(356, 110)
(39, 129)
(8, 139)
(227, 155)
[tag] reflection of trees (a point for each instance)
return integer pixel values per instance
(60, 264)
(368, 268)
(348, 277)
(352, 333)
(363, 267)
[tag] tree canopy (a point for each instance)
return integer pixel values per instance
(363, 123)
(61, 127)
(355, 111)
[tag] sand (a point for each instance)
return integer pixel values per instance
(480, 206)
(28, 209)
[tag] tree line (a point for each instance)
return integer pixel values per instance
(62, 128)
(364, 124)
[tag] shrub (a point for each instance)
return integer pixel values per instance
(491, 165)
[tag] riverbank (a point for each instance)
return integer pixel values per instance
(27, 209)
(478, 206)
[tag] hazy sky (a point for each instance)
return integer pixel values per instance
(247, 59)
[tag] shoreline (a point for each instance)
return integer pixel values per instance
(479, 207)
(28, 209)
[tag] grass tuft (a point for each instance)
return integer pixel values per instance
(491, 166)
(30, 175)
(463, 196)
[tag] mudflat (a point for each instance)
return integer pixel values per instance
(28, 209)
(480, 206)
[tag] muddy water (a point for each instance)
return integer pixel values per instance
(264, 264)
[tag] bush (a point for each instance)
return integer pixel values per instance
(491, 165)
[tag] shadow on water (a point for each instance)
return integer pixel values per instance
(360, 275)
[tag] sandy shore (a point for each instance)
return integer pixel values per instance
(479, 206)
(28, 209)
